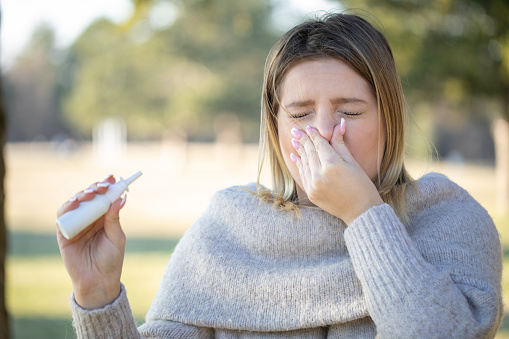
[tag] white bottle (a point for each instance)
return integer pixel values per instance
(74, 221)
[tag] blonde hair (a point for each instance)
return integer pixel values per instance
(352, 40)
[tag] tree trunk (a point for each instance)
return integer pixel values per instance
(501, 138)
(4, 319)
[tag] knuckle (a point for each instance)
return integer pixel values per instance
(306, 142)
(330, 169)
(304, 158)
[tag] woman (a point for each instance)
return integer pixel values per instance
(346, 245)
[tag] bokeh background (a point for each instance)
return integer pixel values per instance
(172, 88)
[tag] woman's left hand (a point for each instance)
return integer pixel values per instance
(331, 177)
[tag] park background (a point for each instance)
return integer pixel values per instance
(172, 88)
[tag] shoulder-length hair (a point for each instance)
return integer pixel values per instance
(352, 40)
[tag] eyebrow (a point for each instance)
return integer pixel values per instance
(335, 101)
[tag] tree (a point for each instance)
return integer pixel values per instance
(4, 319)
(208, 61)
(33, 90)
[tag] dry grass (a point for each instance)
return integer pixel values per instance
(177, 184)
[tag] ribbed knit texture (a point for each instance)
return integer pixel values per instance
(248, 270)
(114, 321)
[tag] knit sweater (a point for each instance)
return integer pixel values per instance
(246, 269)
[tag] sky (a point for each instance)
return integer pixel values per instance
(70, 17)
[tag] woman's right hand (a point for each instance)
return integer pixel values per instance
(94, 257)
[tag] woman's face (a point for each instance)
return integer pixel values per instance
(318, 93)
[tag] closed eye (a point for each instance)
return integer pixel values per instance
(351, 113)
(300, 115)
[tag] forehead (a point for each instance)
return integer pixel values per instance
(309, 76)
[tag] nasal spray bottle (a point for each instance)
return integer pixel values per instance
(74, 221)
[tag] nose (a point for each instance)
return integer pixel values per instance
(325, 124)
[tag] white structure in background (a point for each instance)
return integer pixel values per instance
(110, 139)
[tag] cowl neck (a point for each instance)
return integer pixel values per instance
(246, 265)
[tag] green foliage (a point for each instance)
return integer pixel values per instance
(452, 56)
(454, 50)
(32, 90)
(208, 62)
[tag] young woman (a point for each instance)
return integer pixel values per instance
(345, 245)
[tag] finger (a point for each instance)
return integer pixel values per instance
(102, 187)
(299, 149)
(70, 204)
(326, 153)
(298, 140)
(303, 170)
(86, 195)
(95, 188)
(338, 142)
(110, 178)
(303, 161)
(74, 201)
(313, 142)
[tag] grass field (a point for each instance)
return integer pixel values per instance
(177, 184)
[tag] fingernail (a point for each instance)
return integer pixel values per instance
(73, 199)
(108, 176)
(308, 129)
(122, 203)
(103, 184)
(342, 126)
(293, 157)
(295, 144)
(296, 133)
(89, 190)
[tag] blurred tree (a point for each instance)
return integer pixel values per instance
(33, 90)
(232, 39)
(4, 318)
(172, 65)
(454, 54)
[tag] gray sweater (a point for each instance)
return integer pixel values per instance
(248, 270)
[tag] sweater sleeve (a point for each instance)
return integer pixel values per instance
(116, 321)
(441, 282)
(112, 321)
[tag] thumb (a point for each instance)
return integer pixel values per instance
(112, 225)
(338, 142)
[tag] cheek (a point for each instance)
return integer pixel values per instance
(283, 137)
(363, 145)
(285, 143)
